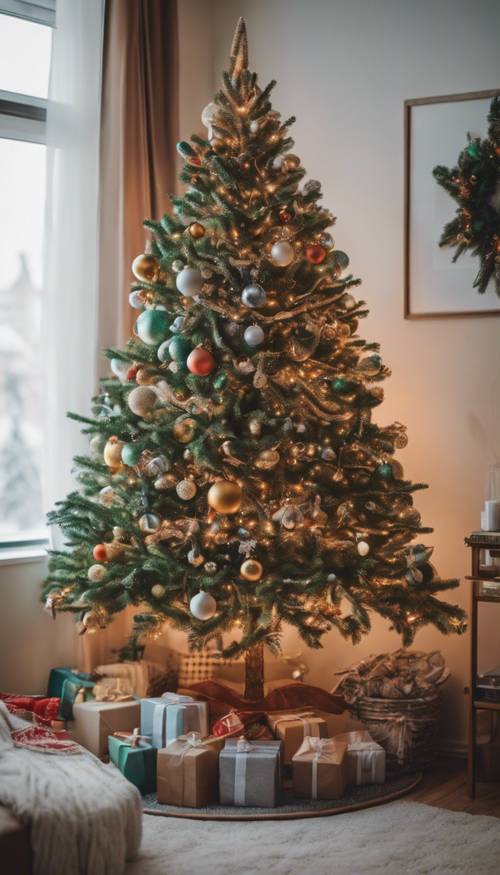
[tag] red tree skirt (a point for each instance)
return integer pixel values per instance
(223, 699)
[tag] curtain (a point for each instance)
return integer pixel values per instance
(139, 130)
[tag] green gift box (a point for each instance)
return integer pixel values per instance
(59, 675)
(74, 689)
(137, 764)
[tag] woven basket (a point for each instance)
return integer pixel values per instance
(407, 729)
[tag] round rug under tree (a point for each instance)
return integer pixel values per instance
(355, 798)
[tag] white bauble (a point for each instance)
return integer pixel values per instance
(157, 466)
(177, 323)
(188, 282)
(253, 295)
(141, 400)
(254, 126)
(162, 351)
(203, 606)
(135, 300)
(209, 116)
(277, 162)
(149, 523)
(186, 489)
(107, 495)
(363, 548)
(119, 368)
(96, 445)
(96, 573)
(177, 265)
(282, 253)
(158, 590)
(254, 335)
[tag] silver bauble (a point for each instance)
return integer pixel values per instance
(253, 295)
(253, 335)
(149, 523)
(188, 282)
(282, 253)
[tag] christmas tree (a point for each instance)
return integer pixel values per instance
(236, 478)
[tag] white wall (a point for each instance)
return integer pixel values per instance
(344, 68)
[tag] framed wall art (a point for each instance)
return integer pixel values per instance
(436, 131)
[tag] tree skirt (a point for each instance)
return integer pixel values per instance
(355, 797)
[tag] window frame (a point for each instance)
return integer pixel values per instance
(23, 117)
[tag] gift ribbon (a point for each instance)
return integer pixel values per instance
(309, 729)
(322, 750)
(189, 742)
(159, 718)
(243, 748)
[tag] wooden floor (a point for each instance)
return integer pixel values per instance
(445, 787)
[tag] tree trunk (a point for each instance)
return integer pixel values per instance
(254, 672)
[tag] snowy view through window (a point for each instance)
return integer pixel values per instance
(22, 205)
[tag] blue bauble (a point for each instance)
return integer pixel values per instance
(385, 471)
(131, 454)
(152, 326)
(179, 349)
(253, 295)
(163, 351)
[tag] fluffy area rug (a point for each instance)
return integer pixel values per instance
(402, 838)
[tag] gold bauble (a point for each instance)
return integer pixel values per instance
(291, 162)
(184, 431)
(197, 230)
(225, 496)
(145, 268)
(144, 377)
(113, 452)
(267, 459)
(251, 569)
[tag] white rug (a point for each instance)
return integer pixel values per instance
(403, 838)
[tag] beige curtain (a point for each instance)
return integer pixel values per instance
(139, 130)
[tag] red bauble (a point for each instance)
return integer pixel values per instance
(195, 159)
(132, 372)
(315, 253)
(99, 553)
(200, 362)
(285, 217)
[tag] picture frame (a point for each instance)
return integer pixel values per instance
(435, 131)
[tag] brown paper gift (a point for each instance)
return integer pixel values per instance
(188, 771)
(320, 768)
(94, 721)
(293, 726)
(365, 758)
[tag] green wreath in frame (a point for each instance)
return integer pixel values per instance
(474, 183)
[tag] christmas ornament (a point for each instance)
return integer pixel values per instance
(107, 495)
(131, 454)
(251, 569)
(152, 326)
(145, 268)
(184, 431)
(100, 553)
(285, 217)
(255, 427)
(96, 573)
(385, 471)
(253, 296)
(220, 381)
(157, 466)
(149, 522)
(277, 162)
(136, 299)
(132, 371)
(163, 352)
(188, 282)
(96, 445)
(195, 558)
(119, 368)
(91, 621)
(158, 590)
(291, 163)
(113, 452)
(119, 533)
(225, 496)
(282, 253)
(254, 126)
(363, 548)
(209, 117)
(341, 385)
(141, 400)
(164, 482)
(196, 230)
(200, 362)
(210, 567)
(253, 335)
(244, 365)
(315, 253)
(203, 606)
(267, 459)
(186, 489)
(312, 186)
(179, 349)
(177, 265)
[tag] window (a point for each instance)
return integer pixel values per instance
(25, 48)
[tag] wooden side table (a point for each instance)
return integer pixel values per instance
(485, 588)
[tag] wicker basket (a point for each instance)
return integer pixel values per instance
(407, 729)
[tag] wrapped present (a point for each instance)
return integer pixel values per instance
(135, 758)
(167, 717)
(188, 771)
(231, 724)
(293, 726)
(95, 721)
(57, 677)
(320, 768)
(74, 690)
(365, 758)
(250, 773)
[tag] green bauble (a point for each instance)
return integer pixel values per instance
(152, 326)
(220, 381)
(131, 454)
(179, 349)
(385, 471)
(341, 385)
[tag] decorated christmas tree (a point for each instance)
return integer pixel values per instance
(236, 480)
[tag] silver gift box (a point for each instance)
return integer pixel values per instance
(250, 773)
